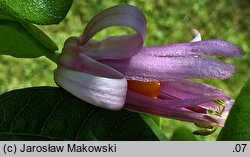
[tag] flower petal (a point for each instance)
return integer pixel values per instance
(207, 47)
(169, 109)
(110, 48)
(90, 80)
(72, 59)
(228, 106)
(151, 68)
(100, 91)
(187, 89)
(115, 47)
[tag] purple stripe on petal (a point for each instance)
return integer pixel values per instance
(152, 68)
(207, 47)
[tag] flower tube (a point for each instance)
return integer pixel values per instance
(119, 72)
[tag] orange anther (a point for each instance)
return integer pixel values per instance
(150, 89)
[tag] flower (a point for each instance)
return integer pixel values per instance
(118, 72)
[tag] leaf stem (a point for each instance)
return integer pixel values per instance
(55, 57)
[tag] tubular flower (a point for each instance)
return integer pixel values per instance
(118, 72)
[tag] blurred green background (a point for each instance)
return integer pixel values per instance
(168, 21)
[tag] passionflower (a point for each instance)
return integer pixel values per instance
(119, 72)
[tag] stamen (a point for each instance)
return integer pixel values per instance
(203, 126)
(212, 112)
(204, 130)
(221, 105)
(151, 89)
(220, 102)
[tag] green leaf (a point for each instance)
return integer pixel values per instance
(237, 127)
(50, 113)
(154, 127)
(36, 11)
(23, 40)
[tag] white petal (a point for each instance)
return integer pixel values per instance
(109, 93)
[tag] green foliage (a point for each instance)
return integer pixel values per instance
(39, 12)
(237, 127)
(20, 39)
(49, 113)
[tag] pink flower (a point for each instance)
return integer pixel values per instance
(119, 72)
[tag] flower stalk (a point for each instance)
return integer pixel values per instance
(54, 57)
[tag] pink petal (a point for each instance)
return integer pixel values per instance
(187, 89)
(90, 80)
(207, 47)
(151, 68)
(170, 109)
(72, 59)
(114, 47)
(111, 48)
